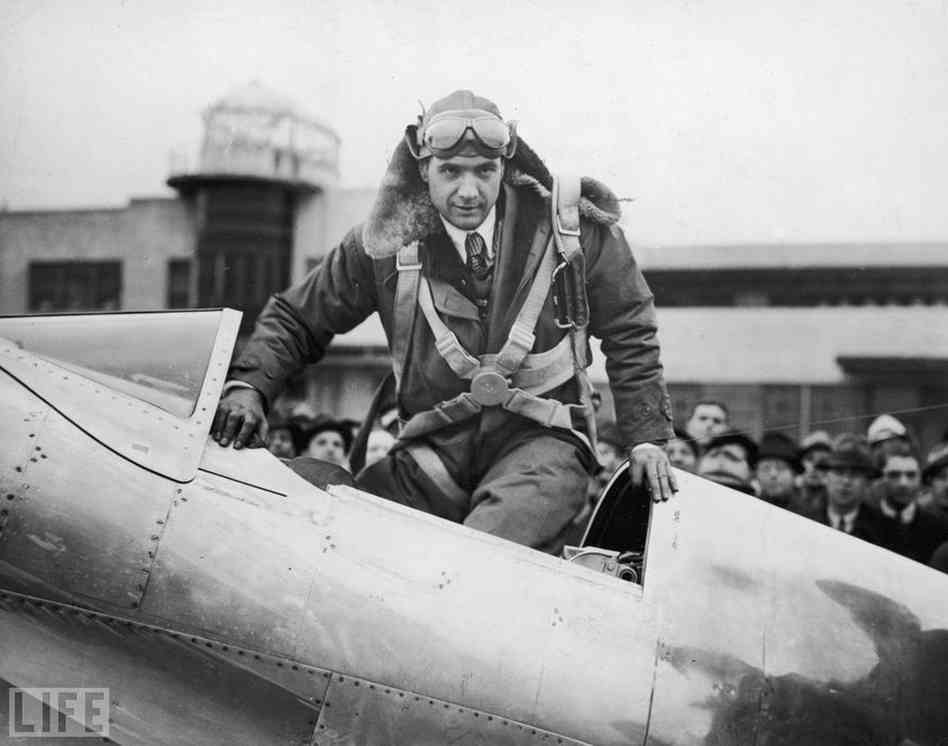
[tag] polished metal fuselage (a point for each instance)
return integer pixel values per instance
(236, 603)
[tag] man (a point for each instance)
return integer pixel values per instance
(811, 484)
(329, 440)
(285, 439)
(708, 418)
(910, 531)
(778, 464)
(849, 470)
(457, 258)
(730, 460)
(683, 451)
(886, 431)
(935, 476)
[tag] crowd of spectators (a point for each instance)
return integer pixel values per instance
(874, 485)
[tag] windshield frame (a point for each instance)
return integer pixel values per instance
(138, 430)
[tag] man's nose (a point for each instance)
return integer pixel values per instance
(468, 187)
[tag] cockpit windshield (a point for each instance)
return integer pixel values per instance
(159, 358)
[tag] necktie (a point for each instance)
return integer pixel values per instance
(477, 260)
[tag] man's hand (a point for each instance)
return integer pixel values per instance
(240, 416)
(650, 460)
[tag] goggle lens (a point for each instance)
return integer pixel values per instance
(444, 134)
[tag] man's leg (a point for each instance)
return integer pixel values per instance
(531, 494)
(398, 478)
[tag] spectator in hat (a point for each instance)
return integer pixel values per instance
(811, 483)
(683, 451)
(883, 429)
(327, 439)
(886, 434)
(935, 477)
(778, 464)
(730, 460)
(910, 531)
(708, 418)
(849, 471)
(285, 438)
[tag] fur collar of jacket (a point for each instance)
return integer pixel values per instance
(403, 211)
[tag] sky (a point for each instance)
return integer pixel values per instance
(722, 121)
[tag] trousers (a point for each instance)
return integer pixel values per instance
(529, 494)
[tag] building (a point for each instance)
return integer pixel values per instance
(795, 336)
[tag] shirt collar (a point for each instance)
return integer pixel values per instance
(486, 229)
(849, 517)
(906, 515)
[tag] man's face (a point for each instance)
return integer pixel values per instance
(940, 488)
(680, 454)
(328, 446)
(775, 477)
(813, 474)
(902, 479)
(707, 421)
(463, 188)
(728, 459)
(846, 487)
(281, 443)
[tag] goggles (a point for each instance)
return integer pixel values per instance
(451, 132)
(447, 130)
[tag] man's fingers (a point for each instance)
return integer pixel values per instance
(248, 428)
(655, 481)
(672, 480)
(220, 417)
(232, 425)
(263, 430)
(667, 491)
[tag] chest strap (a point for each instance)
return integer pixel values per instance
(520, 341)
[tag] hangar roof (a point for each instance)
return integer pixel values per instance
(772, 255)
(773, 345)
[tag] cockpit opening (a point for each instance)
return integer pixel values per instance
(617, 535)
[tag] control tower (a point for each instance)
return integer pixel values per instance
(261, 158)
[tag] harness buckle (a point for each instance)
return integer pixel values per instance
(408, 260)
(489, 388)
(414, 266)
(561, 311)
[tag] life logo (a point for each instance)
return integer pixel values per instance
(73, 712)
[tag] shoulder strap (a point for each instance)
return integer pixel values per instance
(565, 206)
(408, 265)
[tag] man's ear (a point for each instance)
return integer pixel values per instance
(423, 169)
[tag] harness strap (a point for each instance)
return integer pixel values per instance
(565, 198)
(541, 371)
(522, 337)
(449, 346)
(547, 412)
(565, 201)
(408, 264)
(433, 467)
